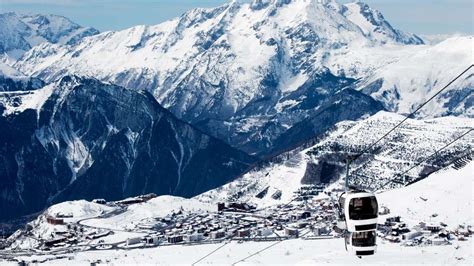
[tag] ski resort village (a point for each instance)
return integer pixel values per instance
(104, 232)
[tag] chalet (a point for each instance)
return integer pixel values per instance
(193, 237)
(130, 201)
(392, 220)
(293, 232)
(411, 235)
(55, 241)
(175, 239)
(152, 240)
(243, 233)
(99, 201)
(264, 231)
(147, 197)
(433, 227)
(220, 206)
(384, 210)
(54, 221)
(133, 241)
(217, 234)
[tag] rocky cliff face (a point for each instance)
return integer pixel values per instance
(86, 139)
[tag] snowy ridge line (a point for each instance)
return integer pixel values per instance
(409, 115)
(430, 156)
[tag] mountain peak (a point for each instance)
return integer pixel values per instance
(20, 32)
(373, 23)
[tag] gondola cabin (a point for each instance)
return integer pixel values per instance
(359, 210)
(361, 243)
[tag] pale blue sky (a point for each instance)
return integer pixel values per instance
(417, 16)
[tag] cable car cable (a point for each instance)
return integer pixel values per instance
(267, 247)
(425, 159)
(212, 252)
(353, 158)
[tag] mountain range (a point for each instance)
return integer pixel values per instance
(20, 32)
(242, 72)
(195, 102)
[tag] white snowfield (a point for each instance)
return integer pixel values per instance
(20, 32)
(448, 194)
(9, 72)
(78, 209)
(157, 207)
(424, 71)
(19, 101)
(290, 252)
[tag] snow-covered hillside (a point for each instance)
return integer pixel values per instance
(445, 196)
(404, 84)
(323, 163)
(19, 101)
(20, 32)
(243, 72)
(149, 211)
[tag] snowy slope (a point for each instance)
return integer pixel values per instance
(20, 32)
(322, 163)
(13, 80)
(372, 23)
(8, 71)
(446, 193)
(19, 101)
(197, 66)
(158, 207)
(404, 84)
(75, 210)
(290, 252)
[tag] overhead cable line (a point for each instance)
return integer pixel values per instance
(265, 248)
(353, 158)
(427, 158)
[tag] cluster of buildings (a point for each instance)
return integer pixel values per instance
(242, 222)
(64, 234)
(306, 216)
(424, 233)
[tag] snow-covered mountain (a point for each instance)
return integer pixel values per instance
(13, 80)
(403, 85)
(20, 32)
(241, 71)
(322, 162)
(80, 138)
